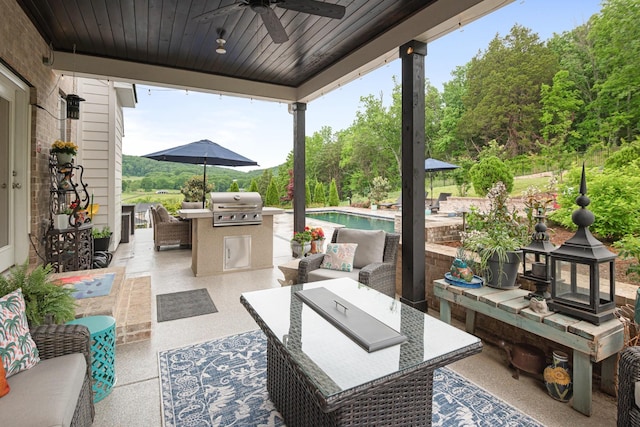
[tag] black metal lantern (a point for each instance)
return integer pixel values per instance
(536, 260)
(73, 106)
(583, 270)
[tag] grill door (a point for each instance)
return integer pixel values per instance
(237, 252)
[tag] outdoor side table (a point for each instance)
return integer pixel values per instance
(290, 271)
(103, 352)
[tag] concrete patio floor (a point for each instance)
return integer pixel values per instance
(135, 399)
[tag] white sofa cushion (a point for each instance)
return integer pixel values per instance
(324, 274)
(46, 394)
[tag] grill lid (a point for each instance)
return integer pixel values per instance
(236, 208)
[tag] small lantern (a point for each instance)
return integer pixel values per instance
(73, 106)
(583, 270)
(536, 261)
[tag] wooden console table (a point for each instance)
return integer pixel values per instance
(590, 343)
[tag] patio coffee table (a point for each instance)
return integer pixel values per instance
(316, 375)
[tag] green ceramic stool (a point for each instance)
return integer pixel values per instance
(103, 353)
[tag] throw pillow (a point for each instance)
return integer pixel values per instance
(164, 214)
(4, 385)
(19, 351)
(339, 256)
(370, 245)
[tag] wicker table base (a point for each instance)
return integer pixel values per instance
(402, 401)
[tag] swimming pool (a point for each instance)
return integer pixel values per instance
(351, 220)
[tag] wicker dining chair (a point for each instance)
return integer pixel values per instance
(629, 387)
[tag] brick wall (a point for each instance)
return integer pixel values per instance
(22, 49)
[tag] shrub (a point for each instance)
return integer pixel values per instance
(307, 194)
(234, 188)
(380, 188)
(192, 189)
(334, 200)
(253, 187)
(272, 198)
(630, 249)
(318, 194)
(489, 171)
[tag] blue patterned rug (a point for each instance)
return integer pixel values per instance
(223, 383)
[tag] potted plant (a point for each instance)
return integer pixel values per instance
(496, 235)
(317, 239)
(101, 239)
(64, 151)
(301, 243)
(44, 300)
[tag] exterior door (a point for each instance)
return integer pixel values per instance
(14, 180)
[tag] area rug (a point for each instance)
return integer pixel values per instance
(223, 383)
(88, 285)
(180, 305)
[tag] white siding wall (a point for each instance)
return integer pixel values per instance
(100, 138)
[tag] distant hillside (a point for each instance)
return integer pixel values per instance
(141, 166)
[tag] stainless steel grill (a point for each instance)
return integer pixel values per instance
(236, 209)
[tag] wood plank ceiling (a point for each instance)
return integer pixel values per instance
(164, 33)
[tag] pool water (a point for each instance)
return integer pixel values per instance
(354, 221)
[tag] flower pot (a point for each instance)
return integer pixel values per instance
(317, 246)
(64, 158)
(374, 207)
(557, 377)
(61, 222)
(101, 244)
(300, 249)
(503, 275)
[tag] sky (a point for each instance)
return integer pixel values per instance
(263, 131)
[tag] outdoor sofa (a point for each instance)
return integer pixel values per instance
(57, 390)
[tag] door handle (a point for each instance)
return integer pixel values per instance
(16, 185)
(4, 185)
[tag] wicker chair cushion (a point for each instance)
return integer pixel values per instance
(370, 245)
(324, 274)
(53, 385)
(339, 256)
(164, 214)
(636, 393)
(21, 351)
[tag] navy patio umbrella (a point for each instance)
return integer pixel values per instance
(203, 152)
(434, 165)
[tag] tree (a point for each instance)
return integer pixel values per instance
(379, 190)
(307, 194)
(253, 187)
(487, 172)
(334, 200)
(146, 183)
(263, 183)
(234, 188)
(273, 198)
(503, 91)
(318, 194)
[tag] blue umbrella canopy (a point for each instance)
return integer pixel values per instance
(203, 152)
(434, 165)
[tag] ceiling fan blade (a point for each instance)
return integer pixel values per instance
(225, 10)
(274, 27)
(313, 7)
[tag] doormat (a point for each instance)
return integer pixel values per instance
(180, 305)
(88, 285)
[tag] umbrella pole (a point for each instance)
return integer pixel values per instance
(431, 179)
(204, 185)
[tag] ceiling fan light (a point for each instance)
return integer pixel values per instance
(220, 49)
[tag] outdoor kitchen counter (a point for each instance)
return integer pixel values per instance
(217, 250)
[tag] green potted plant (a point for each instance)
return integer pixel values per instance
(44, 300)
(101, 239)
(64, 151)
(496, 236)
(380, 188)
(301, 243)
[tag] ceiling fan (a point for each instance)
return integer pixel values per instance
(269, 17)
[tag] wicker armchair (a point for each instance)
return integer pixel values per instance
(169, 230)
(59, 340)
(380, 276)
(628, 377)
